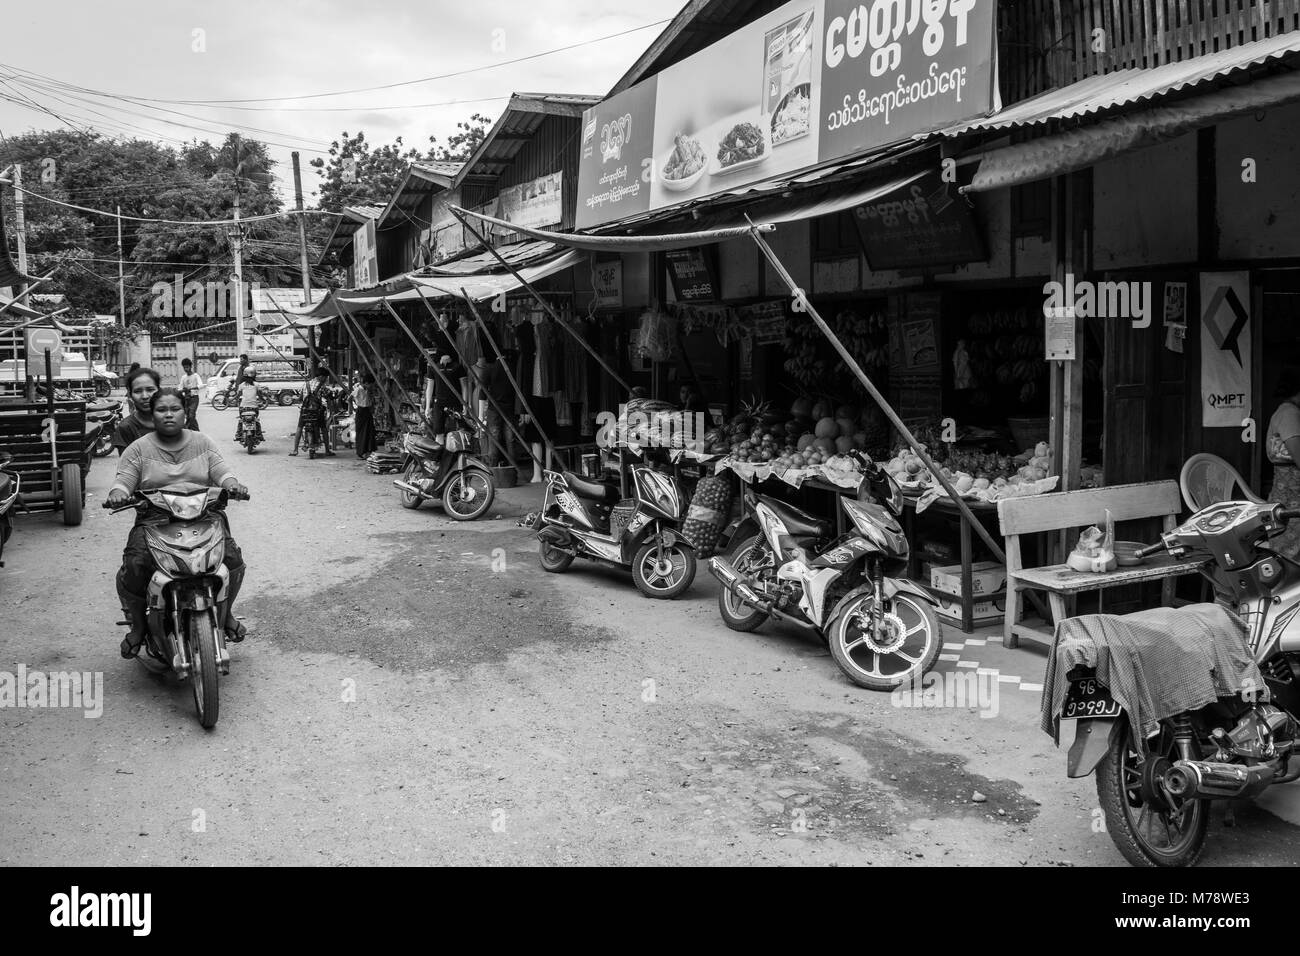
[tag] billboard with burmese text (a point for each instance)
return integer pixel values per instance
(809, 83)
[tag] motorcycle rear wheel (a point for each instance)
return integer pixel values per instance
(852, 653)
(1145, 834)
(552, 558)
(203, 668)
(219, 401)
(104, 444)
(735, 613)
(410, 500)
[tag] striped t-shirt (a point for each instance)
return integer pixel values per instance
(147, 466)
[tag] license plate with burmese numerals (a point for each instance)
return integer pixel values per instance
(1088, 697)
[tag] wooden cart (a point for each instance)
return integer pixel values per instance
(51, 452)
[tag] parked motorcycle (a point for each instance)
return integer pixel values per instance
(446, 470)
(851, 590)
(106, 414)
(586, 519)
(187, 604)
(10, 489)
(249, 430)
(1155, 793)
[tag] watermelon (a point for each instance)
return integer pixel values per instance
(821, 410)
(827, 428)
(860, 440)
(801, 408)
(826, 445)
(847, 426)
(847, 411)
(805, 441)
(843, 444)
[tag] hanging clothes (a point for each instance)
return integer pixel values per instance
(544, 378)
(467, 342)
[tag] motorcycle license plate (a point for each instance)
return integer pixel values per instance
(1088, 697)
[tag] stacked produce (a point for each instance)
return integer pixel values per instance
(815, 438)
(710, 507)
(978, 475)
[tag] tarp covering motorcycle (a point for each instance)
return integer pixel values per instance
(1156, 663)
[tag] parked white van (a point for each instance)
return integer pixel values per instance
(285, 378)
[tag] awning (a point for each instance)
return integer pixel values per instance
(480, 286)
(1115, 91)
(1079, 148)
(725, 223)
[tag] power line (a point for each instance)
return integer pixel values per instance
(175, 222)
(386, 86)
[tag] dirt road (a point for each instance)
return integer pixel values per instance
(415, 690)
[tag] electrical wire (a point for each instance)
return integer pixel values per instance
(178, 222)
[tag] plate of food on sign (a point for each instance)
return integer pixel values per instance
(744, 146)
(685, 165)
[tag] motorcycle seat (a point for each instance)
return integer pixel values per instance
(6, 486)
(591, 490)
(425, 446)
(799, 523)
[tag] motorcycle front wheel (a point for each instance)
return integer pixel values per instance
(1147, 826)
(201, 644)
(748, 558)
(104, 443)
(219, 401)
(663, 575)
(905, 645)
(468, 495)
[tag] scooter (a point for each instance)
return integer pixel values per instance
(10, 489)
(249, 430)
(446, 469)
(188, 611)
(1155, 792)
(106, 413)
(585, 519)
(850, 590)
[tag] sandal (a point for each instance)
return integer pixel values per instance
(128, 649)
(236, 633)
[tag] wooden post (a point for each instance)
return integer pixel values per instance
(397, 416)
(555, 317)
(870, 386)
(509, 374)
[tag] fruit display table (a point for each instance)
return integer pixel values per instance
(985, 512)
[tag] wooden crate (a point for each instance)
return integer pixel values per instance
(22, 426)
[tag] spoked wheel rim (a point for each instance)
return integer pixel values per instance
(897, 650)
(467, 495)
(410, 498)
(663, 569)
(746, 566)
(1164, 827)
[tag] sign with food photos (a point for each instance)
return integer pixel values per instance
(812, 82)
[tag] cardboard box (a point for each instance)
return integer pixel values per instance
(982, 612)
(987, 577)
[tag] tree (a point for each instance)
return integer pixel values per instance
(357, 174)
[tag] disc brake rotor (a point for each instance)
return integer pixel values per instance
(888, 638)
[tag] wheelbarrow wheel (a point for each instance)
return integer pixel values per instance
(74, 495)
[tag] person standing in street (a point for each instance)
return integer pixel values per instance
(491, 380)
(313, 412)
(363, 402)
(1283, 449)
(445, 396)
(191, 388)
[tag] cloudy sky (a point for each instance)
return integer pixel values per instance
(141, 56)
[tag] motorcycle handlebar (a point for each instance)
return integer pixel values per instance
(1288, 514)
(137, 500)
(1150, 550)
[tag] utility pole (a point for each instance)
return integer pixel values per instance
(21, 222)
(121, 279)
(237, 243)
(302, 249)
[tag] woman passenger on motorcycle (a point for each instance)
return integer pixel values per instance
(1283, 449)
(169, 457)
(141, 384)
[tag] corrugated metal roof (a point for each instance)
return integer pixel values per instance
(1110, 92)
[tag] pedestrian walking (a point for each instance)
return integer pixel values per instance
(313, 414)
(363, 403)
(445, 396)
(191, 387)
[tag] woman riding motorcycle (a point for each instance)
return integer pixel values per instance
(169, 457)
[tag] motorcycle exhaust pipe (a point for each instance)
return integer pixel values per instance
(1208, 780)
(730, 578)
(407, 486)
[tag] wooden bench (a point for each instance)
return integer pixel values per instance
(1070, 510)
